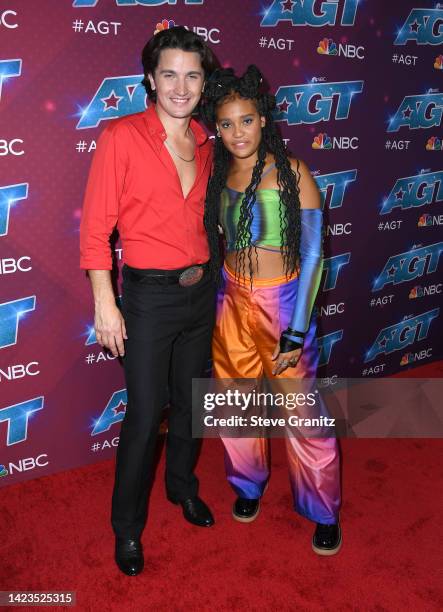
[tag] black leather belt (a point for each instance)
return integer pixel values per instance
(186, 277)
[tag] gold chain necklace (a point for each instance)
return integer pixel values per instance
(179, 156)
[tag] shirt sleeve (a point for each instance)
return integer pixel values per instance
(101, 202)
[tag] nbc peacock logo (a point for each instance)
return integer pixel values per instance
(416, 292)
(407, 358)
(433, 144)
(438, 64)
(322, 141)
(424, 220)
(327, 47)
(164, 24)
(3, 471)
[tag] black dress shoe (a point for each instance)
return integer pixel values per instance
(196, 511)
(129, 556)
(326, 539)
(245, 510)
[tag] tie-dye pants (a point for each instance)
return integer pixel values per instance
(248, 327)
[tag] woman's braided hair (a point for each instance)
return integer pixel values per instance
(220, 87)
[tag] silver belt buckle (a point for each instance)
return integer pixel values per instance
(190, 276)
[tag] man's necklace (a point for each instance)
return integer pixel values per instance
(179, 156)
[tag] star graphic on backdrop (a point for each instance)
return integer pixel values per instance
(391, 271)
(415, 26)
(112, 101)
(399, 194)
(287, 5)
(407, 112)
(284, 105)
(120, 408)
(382, 343)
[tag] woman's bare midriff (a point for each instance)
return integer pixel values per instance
(265, 264)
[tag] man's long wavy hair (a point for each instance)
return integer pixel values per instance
(223, 86)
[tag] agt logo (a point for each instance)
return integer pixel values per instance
(438, 63)
(114, 412)
(409, 358)
(90, 3)
(91, 336)
(17, 417)
(419, 291)
(9, 69)
(9, 195)
(414, 191)
(333, 187)
(312, 102)
(115, 97)
(303, 13)
(418, 112)
(397, 337)
(408, 266)
(433, 144)
(332, 267)
(10, 315)
(328, 47)
(325, 345)
(424, 26)
(323, 142)
(430, 220)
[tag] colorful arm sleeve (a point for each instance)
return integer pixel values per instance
(311, 267)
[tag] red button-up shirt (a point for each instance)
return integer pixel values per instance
(133, 184)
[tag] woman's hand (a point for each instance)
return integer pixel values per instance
(285, 360)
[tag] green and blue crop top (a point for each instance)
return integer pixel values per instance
(265, 229)
(265, 226)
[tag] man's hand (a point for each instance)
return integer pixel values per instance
(110, 328)
(284, 360)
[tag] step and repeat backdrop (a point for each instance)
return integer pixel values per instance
(359, 92)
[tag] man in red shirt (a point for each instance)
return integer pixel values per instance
(148, 177)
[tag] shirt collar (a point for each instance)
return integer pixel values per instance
(155, 126)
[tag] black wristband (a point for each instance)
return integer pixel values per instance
(287, 345)
(289, 331)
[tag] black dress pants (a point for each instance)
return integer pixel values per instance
(169, 330)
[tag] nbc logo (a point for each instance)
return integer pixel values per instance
(327, 47)
(424, 220)
(165, 24)
(438, 64)
(433, 144)
(427, 220)
(322, 141)
(418, 291)
(3, 471)
(407, 358)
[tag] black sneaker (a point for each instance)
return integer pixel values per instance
(326, 539)
(245, 510)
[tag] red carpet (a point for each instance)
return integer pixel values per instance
(57, 536)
